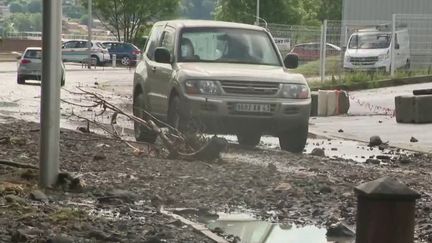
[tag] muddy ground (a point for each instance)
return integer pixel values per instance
(123, 192)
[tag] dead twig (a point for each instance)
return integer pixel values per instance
(18, 165)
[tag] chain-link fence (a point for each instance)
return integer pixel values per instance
(351, 51)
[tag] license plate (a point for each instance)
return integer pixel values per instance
(244, 107)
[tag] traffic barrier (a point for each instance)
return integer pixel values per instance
(413, 109)
(332, 102)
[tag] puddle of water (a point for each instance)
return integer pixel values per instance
(244, 228)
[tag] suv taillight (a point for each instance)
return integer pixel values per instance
(25, 61)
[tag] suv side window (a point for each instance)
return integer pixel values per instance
(70, 44)
(153, 41)
(167, 40)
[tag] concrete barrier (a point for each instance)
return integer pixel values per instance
(413, 109)
(332, 102)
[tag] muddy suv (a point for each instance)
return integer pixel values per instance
(221, 78)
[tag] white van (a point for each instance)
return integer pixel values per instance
(371, 50)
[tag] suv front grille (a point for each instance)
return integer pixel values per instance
(250, 88)
(363, 61)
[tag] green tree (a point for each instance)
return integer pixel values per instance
(198, 9)
(272, 11)
(26, 22)
(35, 6)
(74, 12)
(330, 9)
(15, 7)
(127, 19)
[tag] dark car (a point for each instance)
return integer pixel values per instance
(311, 51)
(126, 53)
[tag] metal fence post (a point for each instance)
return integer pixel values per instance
(50, 93)
(323, 50)
(393, 45)
(89, 26)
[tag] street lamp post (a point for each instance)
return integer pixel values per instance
(257, 13)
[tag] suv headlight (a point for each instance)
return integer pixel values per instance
(206, 87)
(295, 91)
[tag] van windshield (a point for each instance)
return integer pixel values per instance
(370, 41)
(227, 45)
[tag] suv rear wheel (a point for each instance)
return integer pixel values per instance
(249, 139)
(294, 140)
(142, 133)
(125, 61)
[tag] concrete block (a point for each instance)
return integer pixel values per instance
(414, 109)
(332, 102)
(404, 109)
(423, 109)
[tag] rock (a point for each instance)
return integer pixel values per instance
(373, 161)
(60, 239)
(318, 152)
(38, 195)
(283, 187)
(383, 157)
(20, 235)
(339, 230)
(218, 230)
(5, 140)
(334, 149)
(340, 130)
(99, 156)
(29, 175)
(325, 189)
(382, 146)
(70, 183)
(98, 235)
(375, 141)
(271, 167)
(15, 199)
(404, 160)
(413, 140)
(380, 121)
(20, 141)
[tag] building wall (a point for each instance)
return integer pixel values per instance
(383, 9)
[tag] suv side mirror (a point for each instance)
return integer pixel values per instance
(162, 55)
(291, 61)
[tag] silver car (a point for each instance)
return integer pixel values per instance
(77, 51)
(30, 66)
(221, 78)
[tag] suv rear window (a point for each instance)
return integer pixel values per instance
(33, 54)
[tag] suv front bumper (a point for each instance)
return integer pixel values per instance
(218, 114)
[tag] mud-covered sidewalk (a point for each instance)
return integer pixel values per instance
(123, 192)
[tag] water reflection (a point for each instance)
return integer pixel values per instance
(249, 230)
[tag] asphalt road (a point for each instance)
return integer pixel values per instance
(23, 101)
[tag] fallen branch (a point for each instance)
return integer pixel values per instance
(18, 165)
(172, 139)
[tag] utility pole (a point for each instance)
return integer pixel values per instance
(50, 93)
(89, 28)
(257, 13)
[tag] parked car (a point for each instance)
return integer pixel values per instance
(77, 51)
(30, 66)
(126, 53)
(371, 50)
(225, 78)
(311, 51)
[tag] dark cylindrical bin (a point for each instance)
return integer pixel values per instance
(385, 212)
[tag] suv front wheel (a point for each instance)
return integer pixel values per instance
(249, 139)
(142, 133)
(294, 140)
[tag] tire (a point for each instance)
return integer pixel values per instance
(98, 62)
(294, 140)
(20, 80)
(125, 61)
(176, 117)
(249, 139)
(142, 134)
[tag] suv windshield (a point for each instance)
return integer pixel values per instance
(227, 45)
(370, 41)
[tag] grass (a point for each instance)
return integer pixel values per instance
(311, 69)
